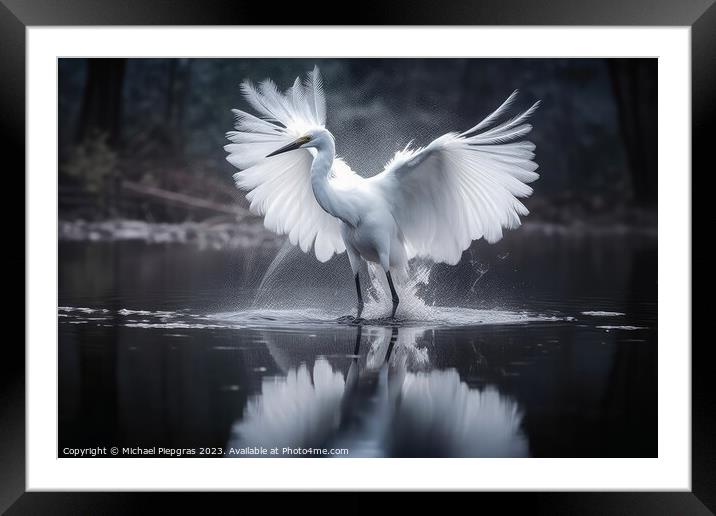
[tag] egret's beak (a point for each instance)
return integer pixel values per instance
(291, 146)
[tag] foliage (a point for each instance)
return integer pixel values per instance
(93, 163)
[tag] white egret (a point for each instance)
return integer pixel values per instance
(429, 202)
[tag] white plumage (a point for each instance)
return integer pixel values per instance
(430, 202)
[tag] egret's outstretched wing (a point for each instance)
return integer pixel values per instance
(279, 187)
(461, 187)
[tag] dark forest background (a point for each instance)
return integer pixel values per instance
(143, 138)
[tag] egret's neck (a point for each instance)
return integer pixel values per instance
(326, 196)
(323, 157)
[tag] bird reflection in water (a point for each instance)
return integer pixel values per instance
(389, 403)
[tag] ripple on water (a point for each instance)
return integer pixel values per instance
(429, 317)
(438, 317)
(625, 327)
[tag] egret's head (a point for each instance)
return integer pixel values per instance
(318, 138)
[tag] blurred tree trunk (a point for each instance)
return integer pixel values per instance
(178, 79)
(634, 82)
(100, 124)
(102, 100)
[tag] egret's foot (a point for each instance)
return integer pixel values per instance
(386, 321)
(350, 319)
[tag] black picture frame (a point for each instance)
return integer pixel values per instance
(17, 15)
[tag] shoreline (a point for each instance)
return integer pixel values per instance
(251, 233)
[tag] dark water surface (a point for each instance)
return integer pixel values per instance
(545, 346)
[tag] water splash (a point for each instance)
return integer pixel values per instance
(295, 290)
(412, 306)
(270, 273)
(295, 279)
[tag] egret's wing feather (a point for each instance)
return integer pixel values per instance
(279, 187)
(461, 187)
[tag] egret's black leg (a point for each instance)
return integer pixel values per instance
(393, 293)
(393, 338)
(360, 297)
